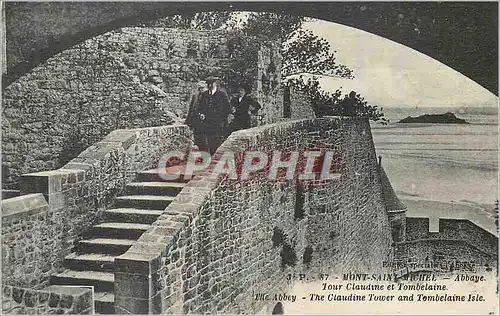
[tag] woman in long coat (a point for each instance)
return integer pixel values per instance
(242, 106)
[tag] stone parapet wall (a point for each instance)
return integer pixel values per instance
(52, 300)
(28, 241)
(444, 254)
(348, 226)
(221, 240)
(417, 228)
(75, 196)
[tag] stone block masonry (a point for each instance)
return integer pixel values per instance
(348, 225)
(446, 254)
(174, 60)
(128, 78)
(170, 60)
(450, 240)
(453, 229)
(24, 220)
(296, 105)
(56, 207)
(52, 300)
(220, 241)
(68, 103)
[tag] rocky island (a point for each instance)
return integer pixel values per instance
(446, 118)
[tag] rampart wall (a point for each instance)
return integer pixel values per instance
(452, 229)
(450, 240)
(220, 240)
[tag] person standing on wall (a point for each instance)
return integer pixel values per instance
(214, 111)
(194, 118)
(348, 105)
(242, 106)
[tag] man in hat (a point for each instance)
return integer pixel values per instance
(194, 118)
(214, 109)
(349, 104)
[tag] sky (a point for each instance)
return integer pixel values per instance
(393, 75)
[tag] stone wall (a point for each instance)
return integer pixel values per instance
(417, 228)
(221, 240)
(128, 78)
(174, 60)
(25, 219)
(66, 104)
(345, 218)
(52, 300)
(445, 254)
(171, 60)
(455, 240)
(39, 231)
(296, 104)
(267, 86)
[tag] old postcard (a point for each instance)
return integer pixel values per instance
(250, 158)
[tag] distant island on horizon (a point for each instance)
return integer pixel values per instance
(474, 110)
(446, 118)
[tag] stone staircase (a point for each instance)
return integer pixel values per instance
(92, 262)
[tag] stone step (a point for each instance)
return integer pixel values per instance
(131, 215)
(155, 188)
(104, 245)
(7, 194)
(117, 230)
(101, 281)
(150, 202)
(152, 175)
(90, 262)
(104, 302)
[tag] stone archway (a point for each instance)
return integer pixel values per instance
(463, 36)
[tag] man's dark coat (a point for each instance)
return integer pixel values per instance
(215, 107)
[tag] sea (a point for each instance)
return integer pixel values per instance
(452, 167)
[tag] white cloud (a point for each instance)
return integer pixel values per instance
(390, 74)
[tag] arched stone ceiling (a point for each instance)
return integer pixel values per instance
(462, 35)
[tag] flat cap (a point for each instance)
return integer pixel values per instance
(211, 79)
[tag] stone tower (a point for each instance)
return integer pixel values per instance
(396, 210)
